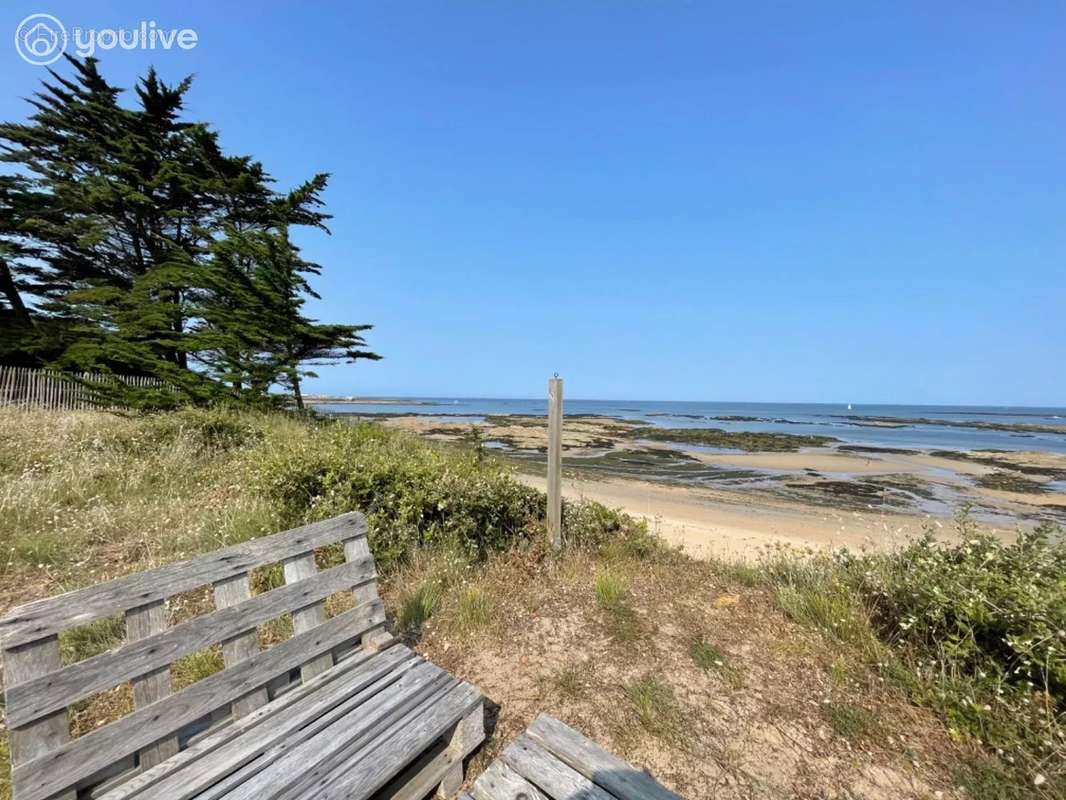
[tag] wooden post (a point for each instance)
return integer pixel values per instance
(555, 461)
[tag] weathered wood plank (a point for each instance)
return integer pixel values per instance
(141, 623)
(43, 618)
(500, 782)
(302, 569)
(63, 767)
(555, 778)
(622, 780)
(50, 733)
(44, 692)
(242, 647)
(420, 778)
(467, 734)
(366, 771)
(291, 770)
(289, 712)
(442, 760)
(450, 781)
(277, 728)
(354, 549)
(555, 462)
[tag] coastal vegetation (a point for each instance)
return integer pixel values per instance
(973, 627)
(752, 441)
(1010, 482)
(132, 244)
(644, 640)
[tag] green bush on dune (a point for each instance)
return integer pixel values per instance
(413, 494)
(980, 604)
(974, 627)
(983, 623)
(167, 485)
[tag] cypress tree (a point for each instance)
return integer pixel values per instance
(151, 251)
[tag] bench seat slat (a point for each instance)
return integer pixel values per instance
(284, 729)
(589, 759)
(40, 778)
(169, 781)
(50, 692)
(366, 771)
(554, 778)
(500, 782)
(52, 615)
(288, 770)
(284, 761)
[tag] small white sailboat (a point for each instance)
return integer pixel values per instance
(849, 406)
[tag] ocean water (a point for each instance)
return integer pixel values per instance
(849, 426)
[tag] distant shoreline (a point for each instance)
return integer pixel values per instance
(366, 401)
(849, 419)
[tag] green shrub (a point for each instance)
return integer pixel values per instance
(587, 524)
(975, 628)
(413, 494)
(980, 605)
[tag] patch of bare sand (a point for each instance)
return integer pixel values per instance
(758, 726)
(1000, 498)
(820, 459)
(733, 524)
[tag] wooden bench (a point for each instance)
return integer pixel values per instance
(335, 711)
(552, 761)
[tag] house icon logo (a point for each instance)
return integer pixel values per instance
(40, 39)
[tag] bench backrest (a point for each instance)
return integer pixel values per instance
(39, 689)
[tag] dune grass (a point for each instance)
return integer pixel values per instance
(89, 496)
(972, 631)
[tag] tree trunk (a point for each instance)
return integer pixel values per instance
(296, 393)
(11, 292)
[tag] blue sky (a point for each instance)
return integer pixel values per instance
(657, 199)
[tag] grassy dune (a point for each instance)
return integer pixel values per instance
(931, 670)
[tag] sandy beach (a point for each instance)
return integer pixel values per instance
(734, 525)
(735, 504)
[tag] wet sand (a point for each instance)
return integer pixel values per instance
(731, 503)
(733, 524)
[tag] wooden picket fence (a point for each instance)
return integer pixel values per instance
(25, 387)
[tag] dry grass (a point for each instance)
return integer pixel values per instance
(85, 497)
(684, 667)
(763, 708)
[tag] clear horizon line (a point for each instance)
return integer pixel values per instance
(356, 397)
